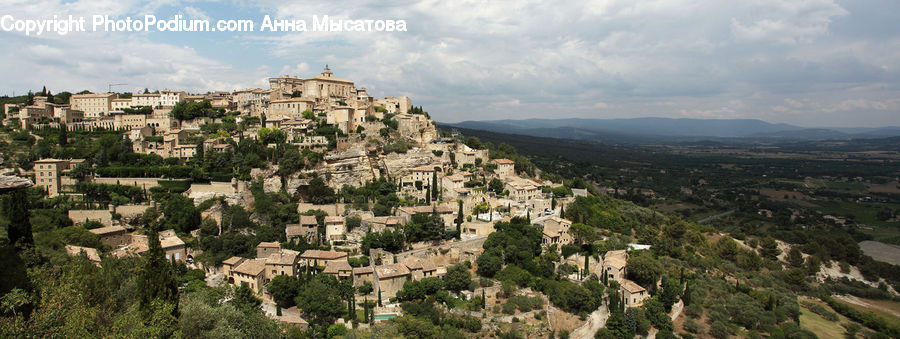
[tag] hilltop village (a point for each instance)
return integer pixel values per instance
(312, 209)
(361, 169)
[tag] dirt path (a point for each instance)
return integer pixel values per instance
(595, 322)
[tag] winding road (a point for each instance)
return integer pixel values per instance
(594, 323)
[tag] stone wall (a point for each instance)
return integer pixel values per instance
(82, 216)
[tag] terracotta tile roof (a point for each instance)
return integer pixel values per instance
(107, 230)
(251, 267)
(330, 219)
(291, 319)
(273, 244)
(632, 287)
(325, 255)
(169, 242)
(412, 263)
(293, 230)
(91, 253)
(283, 258)
(336, 267)
(233, 261)
(362, 270)
(428, 265)
(504, 162)
(390, 271)
(308, 220)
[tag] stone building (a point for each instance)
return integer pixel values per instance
(114, 236)
(93, 105)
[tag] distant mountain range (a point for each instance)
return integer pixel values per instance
(668, 129)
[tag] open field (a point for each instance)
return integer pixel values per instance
(882, 252)
(822, 327)
(891, 187)
(781, 195)
(888, 310)
(863, 212)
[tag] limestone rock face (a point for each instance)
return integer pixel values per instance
(416, 128)
(235, 193)
(349, 167)
(396, 163)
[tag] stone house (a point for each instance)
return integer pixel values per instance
(340, 269)
(265, 249)
(634, 294)
(335, 229)
(555, 230)
(308, 229)
(362, 275)
(614, 263)
(114, 236)
(284, 262)
(391, 278)
(505, 168)
(228, 267)
(523, 190)
(321, 258)
(251, 272)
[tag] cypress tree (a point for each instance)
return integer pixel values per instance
(15, 207)
(587, 261)
(434, 183)
(63, 135)
(459, 219)
(483, 299)
(562, 211)
(428, 194)
(156, 278)
(379, 294)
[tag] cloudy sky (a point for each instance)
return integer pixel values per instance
(805, 62)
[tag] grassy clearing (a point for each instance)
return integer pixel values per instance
(820, 326)
(864, 213)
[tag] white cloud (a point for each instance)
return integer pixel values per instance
(815, 59)
(191, 12)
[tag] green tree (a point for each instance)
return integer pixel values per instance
(283, 289)
(63, 135)
(15, 209)
(13, 302)
(457, 278)
(769, 248)
(643, 269)
(795, 257)
(244, 299)
(180, 214)
(671, 289)
(320, 299)
(459, 220)
(156, 279)
(436, 187)
(488, 265)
